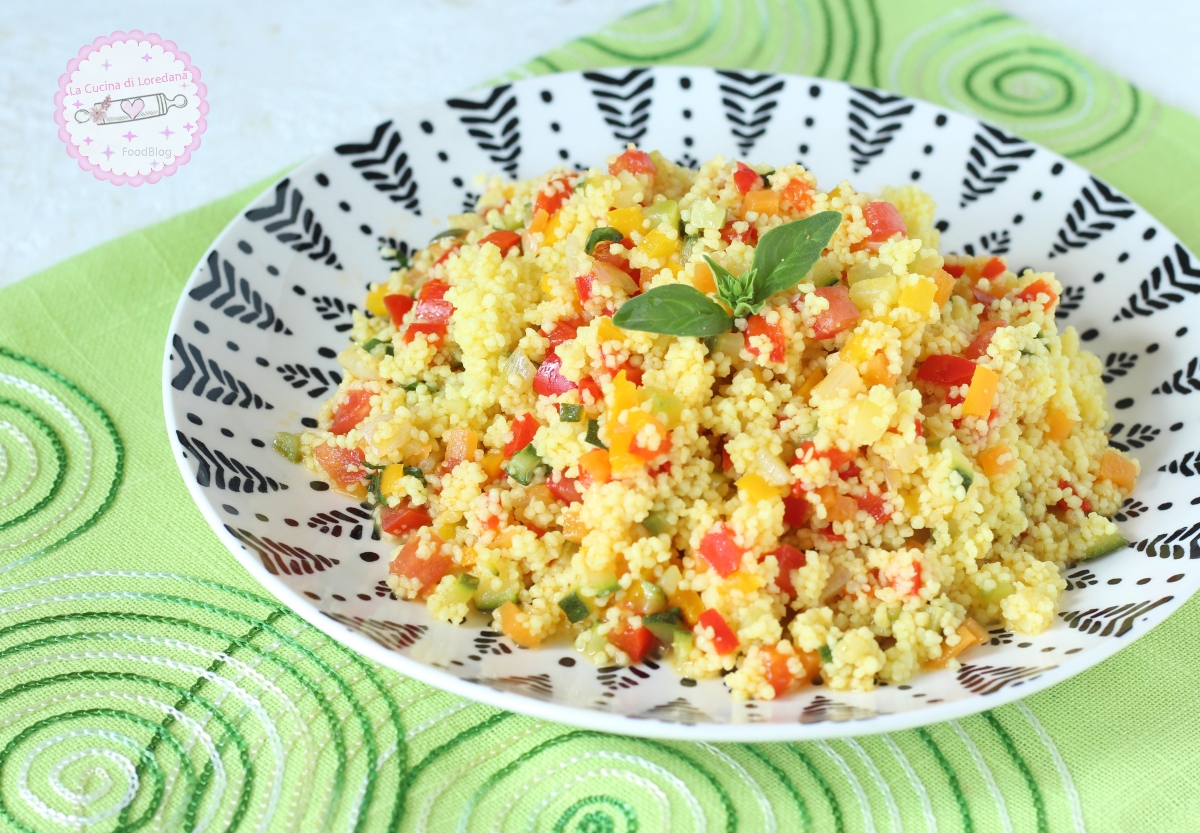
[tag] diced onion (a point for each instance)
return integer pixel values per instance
(771, 468)
(837, 580)
(519, 366)
(359, 363)
(610, 275)
(730, 344)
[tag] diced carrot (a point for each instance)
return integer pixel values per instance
(1039, 288)
(970, 634)
(1058, 425)
(512, 623)
(764, 202)
(945, 284)
(981, 393)
(1120, 471)
(702, 278)
(997, 460)
(837, 507)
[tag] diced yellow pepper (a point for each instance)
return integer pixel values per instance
(540, 218)
(446, 532)
(626, 220)
(624, 397)
(550, 232)
(756, 488)
(919, 296)
(981, 393)
(375, 304)
(855, 348)
(970, 634)
(659, 245)
(389, 482)
(743, 582)
(606, 331)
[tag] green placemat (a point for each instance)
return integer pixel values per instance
(146, 682)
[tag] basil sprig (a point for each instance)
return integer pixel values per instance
(783, 257)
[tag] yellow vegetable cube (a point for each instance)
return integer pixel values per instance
(375, 303)
(389, 482)
(659, 245)
(626, 220)
(756, 488)
(919, 296)
(982, 392)
(606, 331)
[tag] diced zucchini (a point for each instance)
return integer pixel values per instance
(464, 589)
(669, 580)
(961, 465)
(523, 465)
(664, 624)
(593, 434)
(600, 235)
(656, 523)
(288, 445)
(681, 643)
(663, 402)
(666, 212)
(689, 245)
(490, 594)
(1104, 545)
(569, 413)
(603, 584)
(824, 273)
(1002, 590)
(450, 232)
(574, 606)
(826, 653)
(596, 648)
(707, 214)
(647, 597)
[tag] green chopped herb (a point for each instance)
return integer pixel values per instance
(411, 386)
(826, 654)
(375, 342)
(288, 445)
(569, 413)
(413, 471)
(601, 234)
(593, 434)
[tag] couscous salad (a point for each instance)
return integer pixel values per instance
(762, 430)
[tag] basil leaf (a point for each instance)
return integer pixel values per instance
(674, 310)
(450, 232)
(601, 234)
(786, 253)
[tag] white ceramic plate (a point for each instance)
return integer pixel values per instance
(252, 346)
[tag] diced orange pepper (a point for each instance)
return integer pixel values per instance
(970, 634)
(742, 582)
(596, 466)
(764, 202)
(877, 372)
(945, 284)
(689, 604)
(982, 392)
(493, 462)
(997, 460)
(810, 661)
(1059, 425)
(538, 223)
(798, 194)
(837, 507)
(573, 527)
(514, 627)
(815, 378)
(702, 278)
(1121, 472)
(624, 396)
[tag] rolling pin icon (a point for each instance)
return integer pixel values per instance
(136, 108)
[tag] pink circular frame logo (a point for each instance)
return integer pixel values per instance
(130, 108)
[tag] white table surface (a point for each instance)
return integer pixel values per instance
(289, 80)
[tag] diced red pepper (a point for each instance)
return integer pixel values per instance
(589, 386)
(720, 550)
(352, 411)
(401, 519)
(454, 247)
(724, 639)
(398, 306)
(583, 285)
(885, 221)
(992, 268)
(795, 511)
(434, 333)
(636, 642)
(552, 197)
(565, 489)
(564, 331)
(343, 465)
(757, 325)
(978, 347)
(908, 585)
(946, 370)
(632, 372)
(789, 558)
(836, 457)
(603, 252)
(841, 315)
(549, 380)
(428, 571)
(745, 178)
(523, 429)
(850, 471)
(919, 425)
(502, 240)
(954, 270)
(985, 297)
(432, 307)
(875, 506)
(634, 161)
(664, 447)
(726, 460)
(749, 236)
(1039, 287)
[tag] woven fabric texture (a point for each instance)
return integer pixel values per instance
(147, 682)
